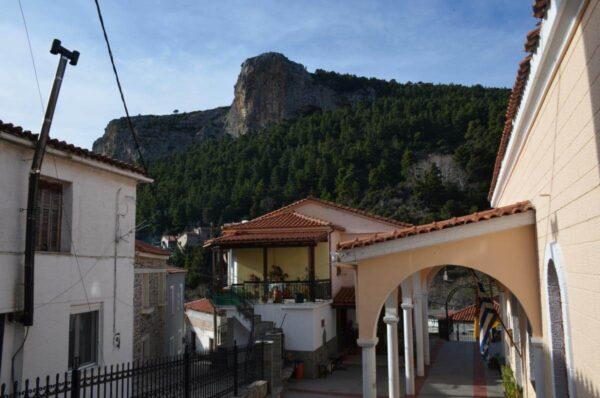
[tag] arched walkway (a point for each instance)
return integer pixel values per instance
(500, 243)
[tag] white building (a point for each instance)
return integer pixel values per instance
(83, 287)
(200, 320)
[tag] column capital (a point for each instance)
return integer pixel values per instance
(389, 319)
(407, 306)
(367, 343)
(537, 341)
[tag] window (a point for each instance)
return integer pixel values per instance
(172, 298)
(49, 217)
(161, 289)
(145, 290)
(171, 345)
(83, 339)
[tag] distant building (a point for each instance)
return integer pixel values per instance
(168, 242)
(158, 303)
(192, 238)
(200, 321)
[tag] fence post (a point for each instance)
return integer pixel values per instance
(186, 374)
(235, 369)
(74, 382)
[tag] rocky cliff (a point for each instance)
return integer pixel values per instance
(270, 89)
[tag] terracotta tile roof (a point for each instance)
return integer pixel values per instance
(258, 238)
(335, 206)
(469, 314)
(345, 297)
(202, 305)
(540, 7)
(176, 270)
(533, 39)
(520, 207)
(289, 219)
(18, 131)
(141, 246)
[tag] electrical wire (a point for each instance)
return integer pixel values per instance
(114, 67)
(32, 57)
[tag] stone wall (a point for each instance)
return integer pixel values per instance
(148, 321)
(312, 359)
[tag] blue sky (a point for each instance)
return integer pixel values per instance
(186, 54)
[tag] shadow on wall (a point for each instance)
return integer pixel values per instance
(590, 24)
(591, 44)
(586, 388)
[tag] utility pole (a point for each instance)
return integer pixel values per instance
(34, 179)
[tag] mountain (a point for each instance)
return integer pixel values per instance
(269, 90)
(413, 151)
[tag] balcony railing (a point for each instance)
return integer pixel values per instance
(286, 291)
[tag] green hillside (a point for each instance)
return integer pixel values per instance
(364, 155)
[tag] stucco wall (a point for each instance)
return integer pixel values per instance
(60, 277)
(558, 169)
(174, 322)
(302, 324)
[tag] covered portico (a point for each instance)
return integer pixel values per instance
(500, 243)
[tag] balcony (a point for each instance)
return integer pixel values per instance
(283, 292)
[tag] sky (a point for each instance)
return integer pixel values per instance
(186, 55)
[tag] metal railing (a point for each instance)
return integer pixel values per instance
(217, 373)
(287, 290)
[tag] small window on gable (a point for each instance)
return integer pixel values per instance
(49, 217)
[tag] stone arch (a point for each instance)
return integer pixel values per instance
(507, 256)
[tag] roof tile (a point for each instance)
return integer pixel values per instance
(18, 131)
(520, 207)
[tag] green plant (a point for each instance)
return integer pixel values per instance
(277, 274)
(511, 389)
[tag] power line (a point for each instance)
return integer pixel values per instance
(114, 67)
(32, 57)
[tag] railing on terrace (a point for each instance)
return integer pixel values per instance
(217, 373)
(287, 290)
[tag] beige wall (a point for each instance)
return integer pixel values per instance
(558, 170)
(293, 260)
(507, 256)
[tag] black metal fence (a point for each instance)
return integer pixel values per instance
(217, 373)
(297, 290)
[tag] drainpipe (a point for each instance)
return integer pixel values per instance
(26, 317)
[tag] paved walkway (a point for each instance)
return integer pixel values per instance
(457, 371)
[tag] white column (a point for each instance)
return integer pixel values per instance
(407, 307)
(391, 320)
(418, 322)
(426, 347)
(369, 375)
(539, 364)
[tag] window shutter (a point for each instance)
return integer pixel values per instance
(49, 217)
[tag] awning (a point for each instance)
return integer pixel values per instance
(275, 238)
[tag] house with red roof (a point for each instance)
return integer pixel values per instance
(84, 258)
(280, 263)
